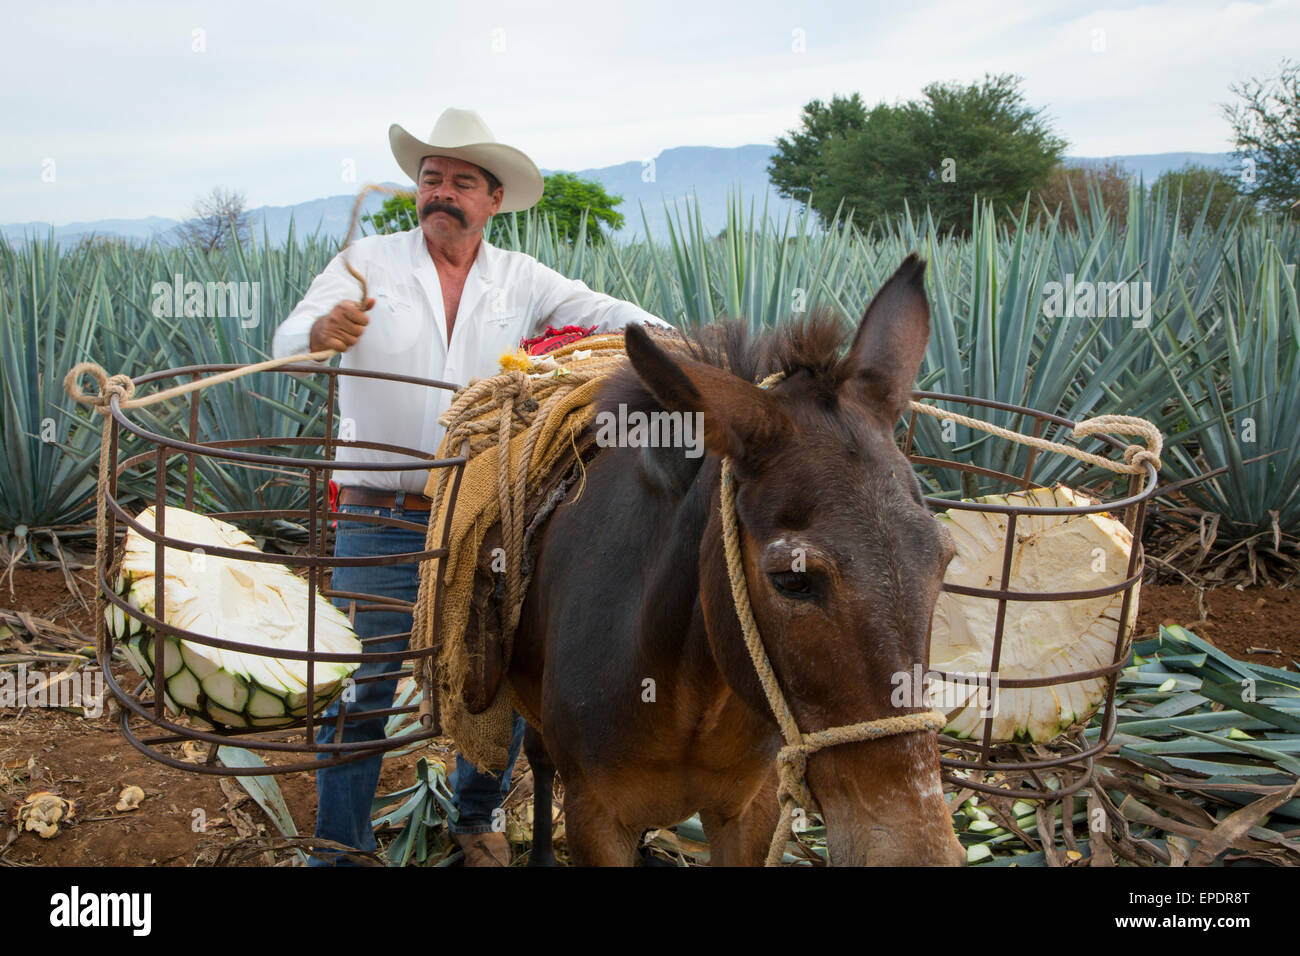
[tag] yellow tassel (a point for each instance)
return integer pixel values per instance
(516, 361)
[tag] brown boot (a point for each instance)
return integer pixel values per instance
(484, 849)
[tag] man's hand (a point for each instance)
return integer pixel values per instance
(341, 328)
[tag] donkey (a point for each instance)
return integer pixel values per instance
(629, 648)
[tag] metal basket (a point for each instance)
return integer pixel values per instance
(317, 518)
(1063, 766)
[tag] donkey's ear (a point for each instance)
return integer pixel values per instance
(739, 418)
(890, 342)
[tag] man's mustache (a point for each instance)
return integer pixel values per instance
(433, 206)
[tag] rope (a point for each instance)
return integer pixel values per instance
(491, 412)
(124, 388)
(352, 225)
(1135, 456)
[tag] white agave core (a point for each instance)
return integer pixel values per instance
(253, 603)
(1041, 638)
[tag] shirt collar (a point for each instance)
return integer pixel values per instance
(486, 261)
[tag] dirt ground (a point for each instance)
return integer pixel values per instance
(187, 819)
(1260, 625)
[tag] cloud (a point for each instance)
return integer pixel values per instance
(146, 108)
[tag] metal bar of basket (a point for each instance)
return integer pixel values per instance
(1018, 769)
(194, 437)
(159, 579)
(309, 726)
(136, 703)
(1032, 459)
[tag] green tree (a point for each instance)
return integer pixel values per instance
(1198, 185)
(565, 198)
(943, 151)
(1266, 125)
(397, 214)
(795, 167)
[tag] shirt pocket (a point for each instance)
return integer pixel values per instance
(394, 320)
(501, 317)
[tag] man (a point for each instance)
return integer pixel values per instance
(444, 305)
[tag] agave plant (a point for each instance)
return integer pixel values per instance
(266, 405)
(1250, 404)
(1215, 345)
(53, 312)
(993, 337)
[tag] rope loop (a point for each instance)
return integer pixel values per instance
(792, 759)
(511, 386)
(791, 785)
(1135, 456)
(120, 386)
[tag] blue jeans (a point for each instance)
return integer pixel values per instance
(345, 793)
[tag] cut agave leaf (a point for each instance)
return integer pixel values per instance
(1040, 638)
(249, 602)
(171, 651)
(185, 690)
(262, 704)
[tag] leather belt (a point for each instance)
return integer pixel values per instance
(370, 498)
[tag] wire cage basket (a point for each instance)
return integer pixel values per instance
(312, 559)
(1064, 765)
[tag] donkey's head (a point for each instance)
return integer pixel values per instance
(842, 558)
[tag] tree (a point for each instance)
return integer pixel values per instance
(1266, 125)
(1108, 182)
(397, 214)
(957, 143)
(217, 217)
(795, 167)
(565, 198)
(1198, 185)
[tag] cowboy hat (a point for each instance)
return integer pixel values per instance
(462, 134)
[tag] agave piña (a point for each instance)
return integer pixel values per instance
(1080, 552)
(250, 602)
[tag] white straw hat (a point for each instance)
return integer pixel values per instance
(462, 134)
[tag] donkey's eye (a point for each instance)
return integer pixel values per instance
(793, 584)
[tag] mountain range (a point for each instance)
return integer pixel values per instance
(648, 188)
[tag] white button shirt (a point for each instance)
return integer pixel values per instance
(508, 296)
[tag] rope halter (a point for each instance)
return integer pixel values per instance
(792, 760)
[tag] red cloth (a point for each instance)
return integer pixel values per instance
(553, 338)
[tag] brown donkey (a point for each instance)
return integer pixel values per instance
(629, 647)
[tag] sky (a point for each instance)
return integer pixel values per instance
(131, 109)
